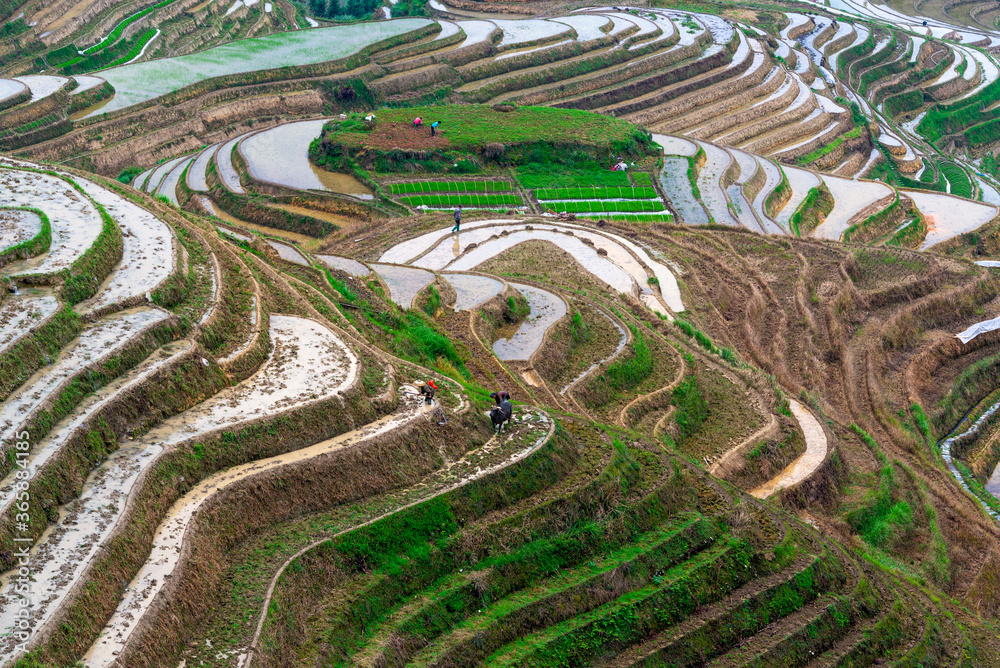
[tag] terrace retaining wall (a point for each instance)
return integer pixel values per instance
(733, 93)
(727, 123)
(842, 43)
(437, 74)
(670, 85)
(825, 35)
(613, 75)
(955, 87)
(767, 144)
(769, 123)
(454, 57)
(802, 29)
(175, 472)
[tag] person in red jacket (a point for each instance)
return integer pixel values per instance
(428, 390)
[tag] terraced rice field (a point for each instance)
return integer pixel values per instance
(148, 254)
(470, 201)
(730, 445)
(144, 81)
(76, 222)
(408, 187)
(850, 198)
(17, 227)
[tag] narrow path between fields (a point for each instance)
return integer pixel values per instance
(807, 462)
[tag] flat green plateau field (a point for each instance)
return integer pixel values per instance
(473, 126)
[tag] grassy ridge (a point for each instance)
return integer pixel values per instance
(472, 126)
(638, 217)
(438, 201)
(120, 53)
(36, 245)
(448, 186)
(806, 204)
(959, 180)
(626, 206)
(595, 192)
(535, 175)
(113, 36)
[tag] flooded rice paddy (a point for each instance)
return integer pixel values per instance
(160, 173)
(75, 222)
(472, 290)
(224, 164)
(801, 182)
(849, 198)
(234, 234)
(42, 85)
(144, 81)
(948, 216)
(804, 465)
(288, 253)
(9, 88)
(281, 155)
(603, 268)
(677, 188)
(404, 282)
(198, 172)
(352, 267)
(17, 227)
(19, 314)
(308, 363)
(623, 265)
(168, 188)
(93, 345)
(147, 253)
(86, 82)
(546, 310)
(676, 146)
(712, 195)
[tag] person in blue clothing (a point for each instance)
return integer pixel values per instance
(458, 218)
(434, 127)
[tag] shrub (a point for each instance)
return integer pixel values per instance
(128, 174)
(692, 409)
(624, 374)
(433, 301)
(579, 330)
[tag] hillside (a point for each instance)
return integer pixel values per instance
(734, 264)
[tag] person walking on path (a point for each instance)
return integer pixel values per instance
(434, 127)
(458, 218)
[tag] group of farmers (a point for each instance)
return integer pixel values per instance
(418, 122)
(500, 413)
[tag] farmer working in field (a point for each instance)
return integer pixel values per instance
(458, 218)
(434, 127)
(428, 390)
(417, 122)
(502, 395)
